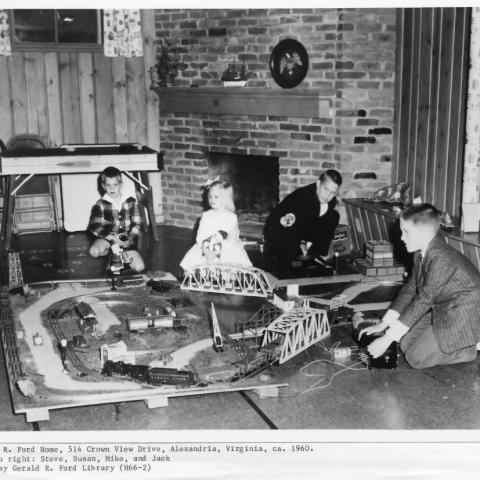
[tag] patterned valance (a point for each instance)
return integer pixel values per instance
(122, 33)
(5, 45)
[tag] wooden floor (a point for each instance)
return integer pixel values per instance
(437, 398)
(64, 256)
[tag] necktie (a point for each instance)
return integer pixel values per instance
(418, 267)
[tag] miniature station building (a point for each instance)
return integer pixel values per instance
(375, 87)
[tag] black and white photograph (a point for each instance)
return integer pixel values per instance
(239, 236)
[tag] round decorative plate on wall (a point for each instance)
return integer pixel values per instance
(288, 63)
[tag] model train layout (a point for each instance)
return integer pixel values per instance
(66, 341)
(90, 341)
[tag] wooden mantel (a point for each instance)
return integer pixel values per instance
(243, 101)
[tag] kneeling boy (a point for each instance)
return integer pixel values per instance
(115, 218)
(436, 315)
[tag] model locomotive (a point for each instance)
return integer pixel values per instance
(150, 375)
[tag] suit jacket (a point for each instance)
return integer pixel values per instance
(447, 285)
(304, 204)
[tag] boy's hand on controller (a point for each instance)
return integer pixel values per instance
(379, 327)
(124, 243)
(379, 346)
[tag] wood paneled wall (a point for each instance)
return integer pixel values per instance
(430, 102)
(81, 97)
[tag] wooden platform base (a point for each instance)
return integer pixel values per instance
(155, 398)
(42, 380)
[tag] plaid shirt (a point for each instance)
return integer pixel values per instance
(105, 220)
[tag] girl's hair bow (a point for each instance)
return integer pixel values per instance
(209, 182)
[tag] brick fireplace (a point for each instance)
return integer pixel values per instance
(291, 142)
(255, 181)
(350, 83)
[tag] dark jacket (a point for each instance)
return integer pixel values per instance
(304, 204)
(447, 284)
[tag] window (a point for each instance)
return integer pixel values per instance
(57, 29)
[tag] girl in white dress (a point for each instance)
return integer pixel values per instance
(218, 239)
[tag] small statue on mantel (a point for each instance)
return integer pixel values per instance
(233, 74)
(167, 67)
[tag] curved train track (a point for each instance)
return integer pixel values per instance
(9, 336)
(71, 355)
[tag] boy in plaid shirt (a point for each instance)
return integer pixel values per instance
(115, 219)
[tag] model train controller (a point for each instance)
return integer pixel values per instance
(118, 258)
(388, 359)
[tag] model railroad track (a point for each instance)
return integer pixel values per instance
(9, 336)
(71, 355)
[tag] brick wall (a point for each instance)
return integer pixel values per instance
(351, 55)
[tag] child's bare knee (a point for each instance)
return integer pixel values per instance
(138, 265)
(136, 262)
(97, 251)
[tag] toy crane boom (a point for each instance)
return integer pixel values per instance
(217, 335)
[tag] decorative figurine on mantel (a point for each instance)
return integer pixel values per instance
(166, 69)
(234, 77)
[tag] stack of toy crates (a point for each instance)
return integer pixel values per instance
(379, 259)
(379, 253)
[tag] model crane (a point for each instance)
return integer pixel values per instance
(217, 334)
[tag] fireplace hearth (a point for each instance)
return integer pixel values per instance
(255, 182)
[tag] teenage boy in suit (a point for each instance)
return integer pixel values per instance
(436, 315)
(307, 216)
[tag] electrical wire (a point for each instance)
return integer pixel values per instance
(317, 385)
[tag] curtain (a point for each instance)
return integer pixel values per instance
(471, 169)
(122, 33)
(5, 46)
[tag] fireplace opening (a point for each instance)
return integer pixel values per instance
(255, 185)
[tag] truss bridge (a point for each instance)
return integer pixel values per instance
(296, 330)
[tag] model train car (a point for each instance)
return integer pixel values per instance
(267, 355)
(135, 324)
(144, 323)
(171, 376)
(162, 286)
(247, 366)
(150, 375)
(222, 373)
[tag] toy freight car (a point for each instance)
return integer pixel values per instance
(267, 355)
(162, 286)
(153, 321)
(170, 376)
(138, 323)
(220, 374)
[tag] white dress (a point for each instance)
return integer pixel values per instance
(227, 250)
